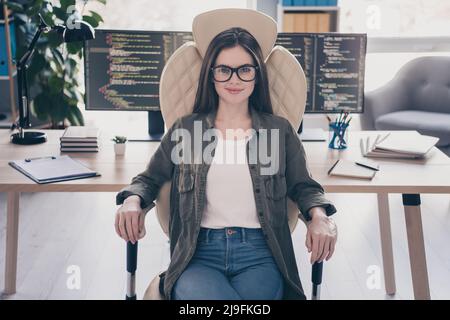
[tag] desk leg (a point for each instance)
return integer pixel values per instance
(416, 246)
(386, 243)
(12, 228)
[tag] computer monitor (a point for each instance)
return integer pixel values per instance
(334, 66)
(123, 70)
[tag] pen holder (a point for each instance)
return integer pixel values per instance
(338, 135)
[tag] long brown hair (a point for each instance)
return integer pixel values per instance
(206, 99)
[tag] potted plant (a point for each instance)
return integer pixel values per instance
(120, 144)
(53, 75)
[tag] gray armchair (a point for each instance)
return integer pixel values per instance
(417, 98)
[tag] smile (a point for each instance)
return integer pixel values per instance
(234, 91)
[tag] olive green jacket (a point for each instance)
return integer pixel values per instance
(291, 178)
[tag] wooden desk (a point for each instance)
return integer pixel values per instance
(408, 177)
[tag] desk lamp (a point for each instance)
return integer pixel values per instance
(79, 31)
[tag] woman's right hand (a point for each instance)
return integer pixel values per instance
(130, 220)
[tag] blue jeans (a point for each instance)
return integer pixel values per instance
(230, 264)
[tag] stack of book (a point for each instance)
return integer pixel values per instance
(306, 22)
(398, 144)
(80, 139)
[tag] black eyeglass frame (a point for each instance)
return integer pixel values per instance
(234, 70)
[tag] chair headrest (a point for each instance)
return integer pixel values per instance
(209, 24)
(179, 79)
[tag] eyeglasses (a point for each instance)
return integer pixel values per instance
(223, 73)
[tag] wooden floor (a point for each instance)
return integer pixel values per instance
(62, 230)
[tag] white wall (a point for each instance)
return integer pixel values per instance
(178, 15)
(171, 15)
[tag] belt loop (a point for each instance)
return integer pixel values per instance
(207, 235)
(243, 235)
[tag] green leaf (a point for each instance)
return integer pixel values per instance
(34, 9)
(56, 84)
(75, 116)
(41, 106)
(38, 64)
(72, 62)
(20, 17)
(102, 1)
(60, 108)
(73, 94)
(96, 16)
(94, 23)
(74, 47)
(73, 121)
(54, 39)
(66, 3)
(60, 13)
(58, 56)
(56, 68)
(15, 7)
(48, 17)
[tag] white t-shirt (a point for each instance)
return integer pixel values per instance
(229, 191)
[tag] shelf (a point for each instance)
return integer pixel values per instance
(7, 77)
(309, 8)
(316, 12)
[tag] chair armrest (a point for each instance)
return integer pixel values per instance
(132, 253)
(391, 97)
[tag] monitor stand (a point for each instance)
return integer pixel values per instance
(155, 128)
(311, 134)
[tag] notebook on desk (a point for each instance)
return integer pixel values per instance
(52, 169)
(349, 169)
(401, 145)
(80, 134)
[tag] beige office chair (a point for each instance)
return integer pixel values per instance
(179, 83)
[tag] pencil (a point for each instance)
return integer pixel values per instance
(348, 122)
(334, 165)
(339, 118)
(384, 138)
(344, 118)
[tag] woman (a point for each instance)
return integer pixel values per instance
(229, 233)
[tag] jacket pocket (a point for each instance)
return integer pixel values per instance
(276, 188)
(276, 191)
(185, 186)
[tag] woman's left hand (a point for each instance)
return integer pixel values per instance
(321, 236)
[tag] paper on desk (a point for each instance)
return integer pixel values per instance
(51, 168)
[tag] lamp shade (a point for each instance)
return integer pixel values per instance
(80, 31)
(77, 31)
